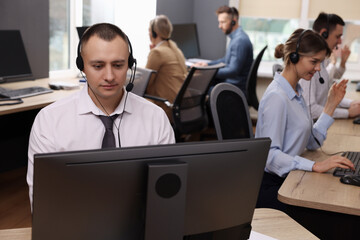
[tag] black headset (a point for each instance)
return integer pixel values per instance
(295, 56)
(153, 33)
(131, 63)
(325, 34)
(232, 16)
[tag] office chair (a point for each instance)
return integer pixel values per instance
(252, 98)
(141, 80)
(230, 112)
(277, 68)
(189, 107)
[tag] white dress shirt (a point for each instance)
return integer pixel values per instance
(315, 94)
(72, 123)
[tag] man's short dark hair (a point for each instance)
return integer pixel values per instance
(229, 10)
(105, 31)
(327, 21)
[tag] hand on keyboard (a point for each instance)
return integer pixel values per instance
(354, 157)
(333, 162)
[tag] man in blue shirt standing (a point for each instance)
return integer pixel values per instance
(239, 54)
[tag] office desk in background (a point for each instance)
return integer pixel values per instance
(39, 101)
(269, 222)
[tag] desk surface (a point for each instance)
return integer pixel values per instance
(38, 101)
(269, 222)
(322, 190)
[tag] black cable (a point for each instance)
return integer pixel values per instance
(113, 120)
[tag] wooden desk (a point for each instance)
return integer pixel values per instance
(345, 127)
(269, 222)
(39, 101)
(323, 191)
(319, 201)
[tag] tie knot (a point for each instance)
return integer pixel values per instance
(108, 121)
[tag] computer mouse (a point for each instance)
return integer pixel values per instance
(351, 179)
(357, 120)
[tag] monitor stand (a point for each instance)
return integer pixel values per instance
(165, 201)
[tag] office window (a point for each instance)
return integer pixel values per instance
(59, 34)
(66, 15)
(270, 32)
(96, 11)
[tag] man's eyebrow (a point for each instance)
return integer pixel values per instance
(119, 61)
(101, 61)
(96, 61)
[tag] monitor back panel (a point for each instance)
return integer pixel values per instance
(93, 195)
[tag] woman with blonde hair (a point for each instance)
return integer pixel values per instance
(167, 60)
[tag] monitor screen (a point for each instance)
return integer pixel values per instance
(152, 192)
(13, 61)
(81, 30)
(186, 37)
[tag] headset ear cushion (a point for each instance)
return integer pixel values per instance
(294, 57)
(79, 63)
(131, 61)
(325, 34)
(154, 34)
(233, 23)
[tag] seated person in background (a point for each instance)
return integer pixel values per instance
(336, 72)
(284, 117)
(76, 122)
(167, 60)
(330, 27)
(239, 53)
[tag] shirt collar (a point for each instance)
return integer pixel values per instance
(160, 43)
(86, 104)
(233, 33)
(285, 85)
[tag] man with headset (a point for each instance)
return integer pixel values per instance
(239, 53)
(330, 27)
(104, 113)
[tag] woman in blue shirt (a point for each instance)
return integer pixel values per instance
(284, 117)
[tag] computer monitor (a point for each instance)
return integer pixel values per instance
(13, 59)
(151, 192)
(186, 37)
(81, 30)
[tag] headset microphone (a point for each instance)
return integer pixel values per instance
(321, 80)
(130, 85)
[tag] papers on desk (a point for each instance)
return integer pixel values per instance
(258, 236)
(190, 61)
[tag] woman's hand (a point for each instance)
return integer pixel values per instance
(336, 94)
(333, 162)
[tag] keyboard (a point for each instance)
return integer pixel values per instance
(23, 92)
(355, 158)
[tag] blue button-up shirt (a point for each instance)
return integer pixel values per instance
(283, 116)
(238, 60)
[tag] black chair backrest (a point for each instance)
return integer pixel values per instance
(230, 112)
(252, 98)
(189, 111)
(141, 80)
